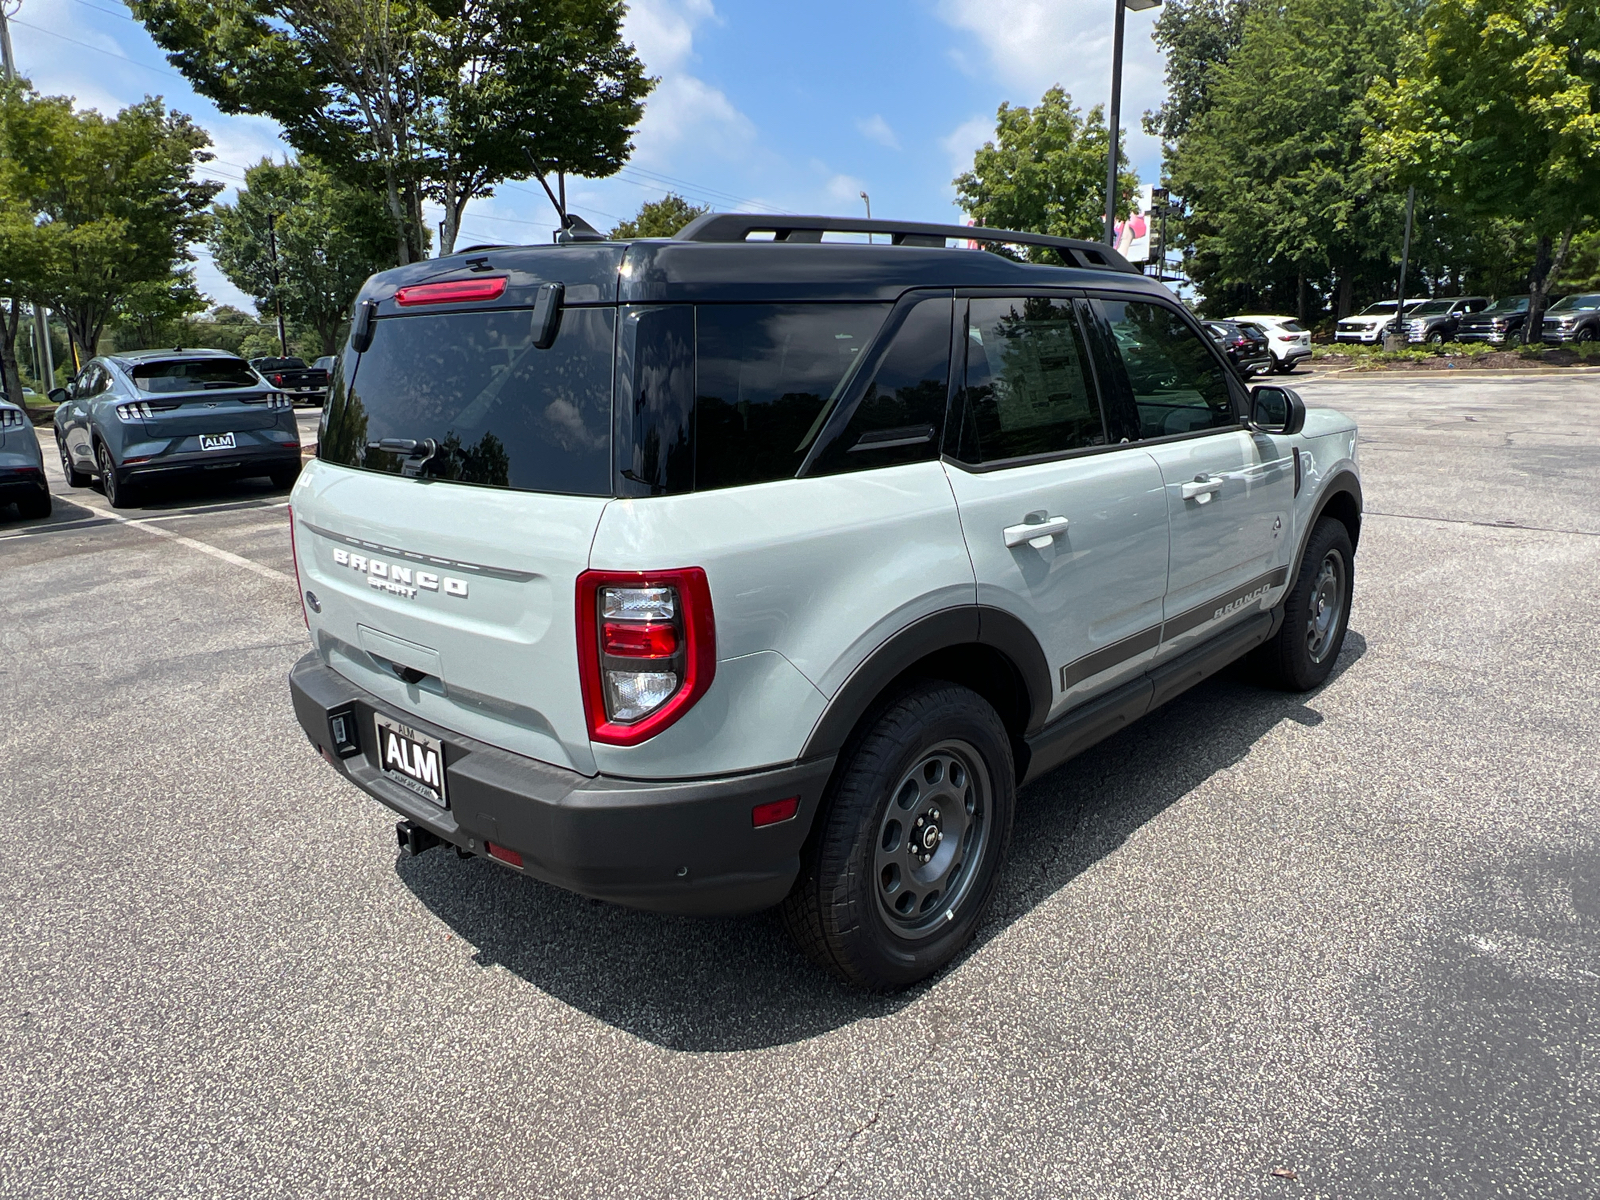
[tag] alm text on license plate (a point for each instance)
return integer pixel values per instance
(216, 441)
(413, 760)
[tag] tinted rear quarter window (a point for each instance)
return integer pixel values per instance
(501, 412)
(766, 373)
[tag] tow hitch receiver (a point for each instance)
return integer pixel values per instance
(413, 838)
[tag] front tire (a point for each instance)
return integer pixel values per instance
(75, 477)
(910, 840)
(1316, 613)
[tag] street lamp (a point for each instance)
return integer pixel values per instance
(867, 200)
(1116, 114)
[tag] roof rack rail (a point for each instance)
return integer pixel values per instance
(737, 227)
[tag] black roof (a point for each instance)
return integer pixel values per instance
(712, 260)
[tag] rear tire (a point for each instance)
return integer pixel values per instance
(910, 840)
(284, 479)
(115, 486)
(34, 507)
(1316, 613)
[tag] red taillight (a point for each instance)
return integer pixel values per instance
(452, 290)
(504, 855)
(647, 650)
(627, 640)
(774, 812)
(294, 556)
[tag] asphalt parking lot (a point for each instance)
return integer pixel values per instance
(1351, 936)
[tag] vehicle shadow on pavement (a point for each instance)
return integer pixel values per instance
(700, 984)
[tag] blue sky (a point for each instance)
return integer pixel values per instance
(761, 104)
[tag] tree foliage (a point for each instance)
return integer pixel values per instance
(431, 100)
(659, 218)
(1496, 113)
(1198, 37)
(96, 213)
(330, 237)
(1045, 171)
(1275, 176)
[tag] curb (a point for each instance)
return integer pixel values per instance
(1462, 373)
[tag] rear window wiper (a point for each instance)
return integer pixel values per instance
(416, 453)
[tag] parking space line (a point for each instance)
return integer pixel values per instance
(226, 556)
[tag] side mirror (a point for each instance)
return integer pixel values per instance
(58, 395)
(1276, 410)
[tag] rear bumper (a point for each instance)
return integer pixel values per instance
(681, 845)
(18, 483)
(247, 460)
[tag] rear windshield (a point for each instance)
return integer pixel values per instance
(1509, 304)
(500, 412)
(1290, 326)
(195, 374)
(280, 364)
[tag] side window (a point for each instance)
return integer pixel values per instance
(1028, 385)
(1175, 382)
(900, 417)
(764, 375)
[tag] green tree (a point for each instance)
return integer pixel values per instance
(1275, 176)
(330, 238)
(1197, 37)
(424, 99)
(1045, 171)
(1496, 112)
(112, 204)
(659, 218)
(156, 313)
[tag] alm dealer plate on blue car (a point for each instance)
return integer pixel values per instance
(413, 760)
(216, 441)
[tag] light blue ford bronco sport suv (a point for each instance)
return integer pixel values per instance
(753, 568)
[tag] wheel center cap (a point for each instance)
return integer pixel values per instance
(930, 837)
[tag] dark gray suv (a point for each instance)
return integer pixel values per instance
(157, 414)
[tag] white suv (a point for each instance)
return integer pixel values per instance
(746, 568)
(1288, 341)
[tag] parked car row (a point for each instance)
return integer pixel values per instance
(1474, 319)
(1262, 343)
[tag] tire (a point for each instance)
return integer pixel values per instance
(115, 487)
(935, 758)
(1282, 366)
(75, 477)
(284, 478)
(1436, 339)
(1586, 334)
(1316, 613)
(35, 507)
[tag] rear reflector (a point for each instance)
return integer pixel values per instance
(451, 290)
(511, 857)
(774, 812)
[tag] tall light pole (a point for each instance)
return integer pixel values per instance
(1114, 125)
(867, 200)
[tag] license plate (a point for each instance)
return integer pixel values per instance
(216, 441)
(413, 760)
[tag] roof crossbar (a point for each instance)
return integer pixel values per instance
(737, 227)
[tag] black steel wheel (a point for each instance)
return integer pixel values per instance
(116, 488)
(1316, 612)
(910, 839)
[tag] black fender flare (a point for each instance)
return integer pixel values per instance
(948, 629)
(1345, 482)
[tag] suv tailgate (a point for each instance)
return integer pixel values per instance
(470, 588)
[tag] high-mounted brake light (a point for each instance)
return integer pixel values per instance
(647, 650)
(451, 290)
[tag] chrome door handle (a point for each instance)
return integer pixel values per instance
(1038, 535)
(1202, 488)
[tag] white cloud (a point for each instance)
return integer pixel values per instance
(845, 190)
(962, 142)
(682, 107)
(876, 129)
(1034, 44)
